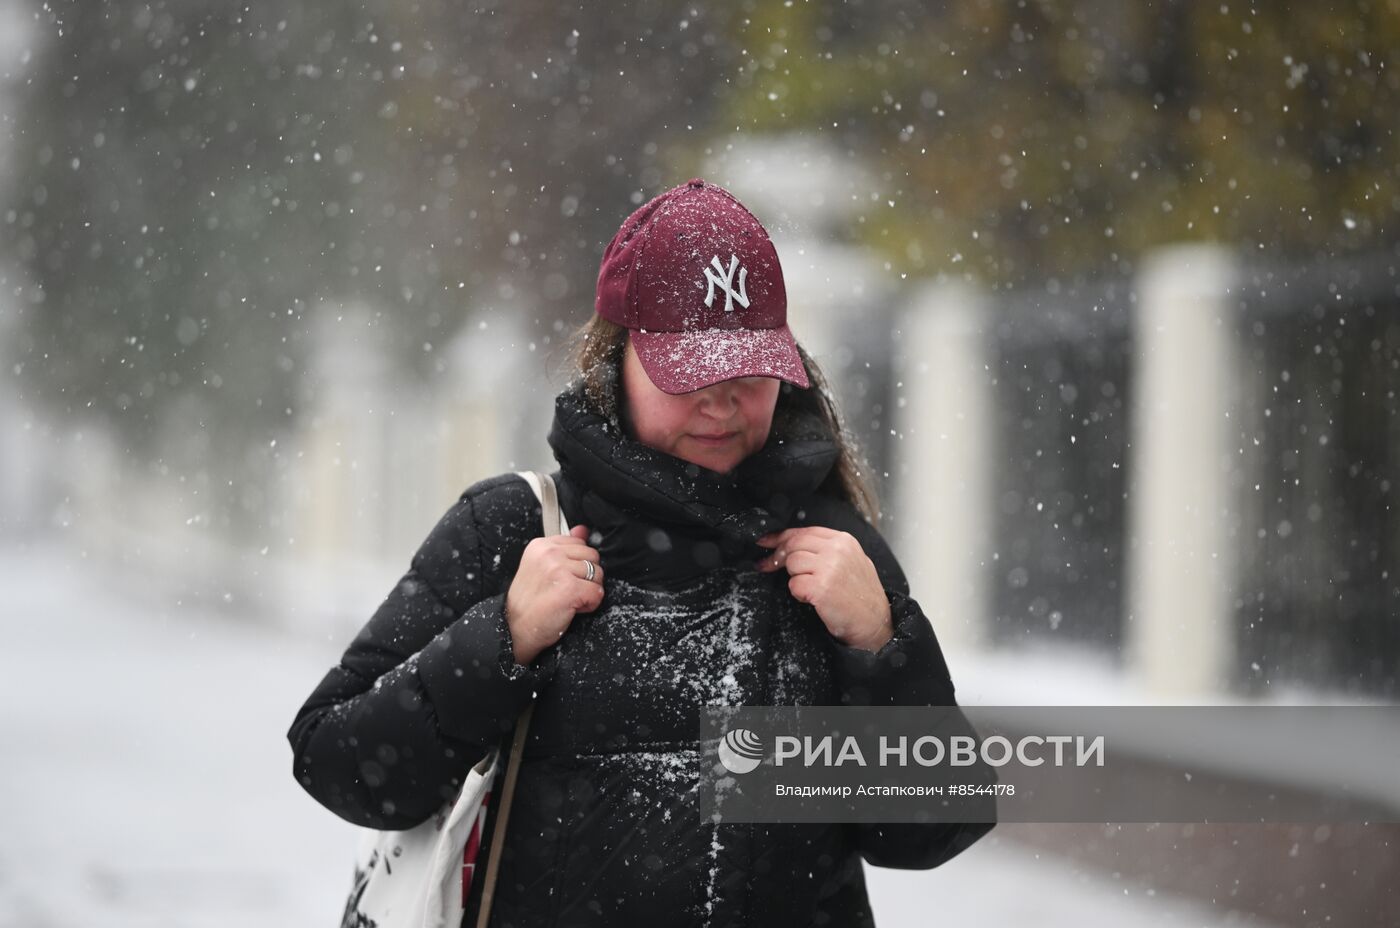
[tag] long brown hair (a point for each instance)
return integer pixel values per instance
(600, 345)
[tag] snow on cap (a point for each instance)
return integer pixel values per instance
(695, 278)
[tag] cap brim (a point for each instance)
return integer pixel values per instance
(682, 362)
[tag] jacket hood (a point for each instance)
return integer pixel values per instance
(663, 520)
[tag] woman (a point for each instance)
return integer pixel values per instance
(722, 553)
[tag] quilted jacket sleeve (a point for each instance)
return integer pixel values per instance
(430, 682)
(909, 670)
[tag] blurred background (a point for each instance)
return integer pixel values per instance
(1110, 292)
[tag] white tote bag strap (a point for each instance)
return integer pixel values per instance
(548, 495)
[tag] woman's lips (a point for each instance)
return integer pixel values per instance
(718, 439)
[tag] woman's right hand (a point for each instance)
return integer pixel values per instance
(549, 588)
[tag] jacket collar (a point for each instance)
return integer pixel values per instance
(662, 518)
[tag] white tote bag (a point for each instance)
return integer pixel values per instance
(413, 878)
(419, 878)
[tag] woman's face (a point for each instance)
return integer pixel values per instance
(715, 427)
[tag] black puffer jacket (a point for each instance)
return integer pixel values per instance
(605, 827)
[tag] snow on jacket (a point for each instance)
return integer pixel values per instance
(605, 828)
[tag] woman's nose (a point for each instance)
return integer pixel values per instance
(719, 400)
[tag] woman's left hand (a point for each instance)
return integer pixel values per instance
(831, 573)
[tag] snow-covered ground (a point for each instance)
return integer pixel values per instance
(146, 777)
(146, 781)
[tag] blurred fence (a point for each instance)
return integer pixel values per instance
(1188, 471)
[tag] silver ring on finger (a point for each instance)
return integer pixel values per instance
(589, 571)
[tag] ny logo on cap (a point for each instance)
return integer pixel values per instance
(727, 282)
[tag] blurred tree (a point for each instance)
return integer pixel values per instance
(193, 182)
(1043, 138)
(183, 196)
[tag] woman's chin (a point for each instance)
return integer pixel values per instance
(719, 463)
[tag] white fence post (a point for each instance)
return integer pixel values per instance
(943, 494)
(1179, 633)
(335, 486)
(485, 397)
(26, 463)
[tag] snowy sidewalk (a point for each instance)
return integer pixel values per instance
(147, 782)
(147, 779)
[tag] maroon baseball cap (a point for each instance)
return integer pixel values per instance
(694, 277)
